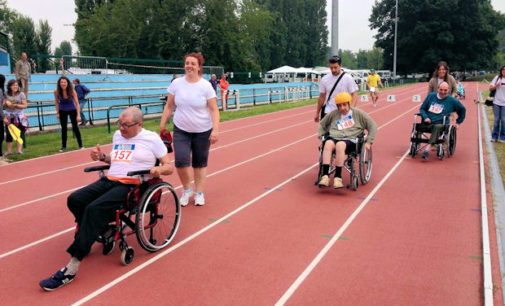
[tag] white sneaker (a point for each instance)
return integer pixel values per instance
(186, 194)
(199, 199)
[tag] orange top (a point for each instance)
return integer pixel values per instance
(125, 180)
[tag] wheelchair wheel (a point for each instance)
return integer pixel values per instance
(365, 165)
(158, 217)
(451, 141)
(354, 182)
(127, 255)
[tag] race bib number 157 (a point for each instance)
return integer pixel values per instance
(123, 152)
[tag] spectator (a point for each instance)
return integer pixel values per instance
(223, 84)
(82, 91)
(213, 81)
(498, 84)
(14, 102)
(441, 74)
(196, 125)
(372, 81)
(23, 72)
(67, 105)
(175, 76)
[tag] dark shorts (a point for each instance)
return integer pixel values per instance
(350, 147)
(194, 145)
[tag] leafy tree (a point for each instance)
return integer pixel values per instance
(375, 59)
(23, 36)
(348, 59)
(7, 17)
(43, 42)
(428, 33)
(65, 48)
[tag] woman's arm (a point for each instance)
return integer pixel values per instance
(214, 115)
(167, 111)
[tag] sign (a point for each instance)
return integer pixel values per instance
(391, 98)
(416, 98)
(364, 98)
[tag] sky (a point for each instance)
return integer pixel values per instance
(354, 31)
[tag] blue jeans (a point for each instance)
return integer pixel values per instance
(499, 122)
(82, 104)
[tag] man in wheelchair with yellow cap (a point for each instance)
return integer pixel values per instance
(340, 131)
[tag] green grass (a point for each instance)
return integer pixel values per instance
(42, 144)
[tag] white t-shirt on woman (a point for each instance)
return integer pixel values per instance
(192, 113)
(499, 97)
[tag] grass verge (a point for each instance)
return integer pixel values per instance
(50, 142)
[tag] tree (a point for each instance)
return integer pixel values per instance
(23, 36)
(65, 48)
(43, 42)
(465, 38)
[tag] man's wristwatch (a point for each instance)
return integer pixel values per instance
(102, 157)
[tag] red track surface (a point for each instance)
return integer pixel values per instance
(417, 241)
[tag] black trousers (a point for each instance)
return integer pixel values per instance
(2, 135)
(94, 206)
(64, 121)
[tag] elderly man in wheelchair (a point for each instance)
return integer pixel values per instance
(343, 139)
(97, 205)
(436, 112)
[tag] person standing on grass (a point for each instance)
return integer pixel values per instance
(67, 105)
(498, 85)
(82, 91)
(14, 102)
(196, 125)
(224, 84)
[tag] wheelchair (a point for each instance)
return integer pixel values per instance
(151, 211)
(445, 144)
(358, 162)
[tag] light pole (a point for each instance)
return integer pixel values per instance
(396, 33)
(334, 28)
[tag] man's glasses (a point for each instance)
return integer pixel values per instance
(335, 59)
(125, 125)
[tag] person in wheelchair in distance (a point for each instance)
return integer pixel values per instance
(343, 125)
(95, 205)
(434, 108)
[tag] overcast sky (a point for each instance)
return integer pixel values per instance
(354, 31)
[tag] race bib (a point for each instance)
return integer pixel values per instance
(345, 123)
(122, 152)
(436, 108)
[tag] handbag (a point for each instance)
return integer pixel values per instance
(490, 99)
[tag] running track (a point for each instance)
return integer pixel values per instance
(411, 236)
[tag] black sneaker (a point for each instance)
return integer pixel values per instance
(108, 241)
(425, 155)
(57, 280)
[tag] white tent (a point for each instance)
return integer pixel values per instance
(283, 69)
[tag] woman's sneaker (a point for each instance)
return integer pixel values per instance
(56, 280)
(186, 194)
(199, 199)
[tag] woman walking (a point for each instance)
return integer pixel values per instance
(441, 74)
(196, 125)
(498, 84)
(67, 105)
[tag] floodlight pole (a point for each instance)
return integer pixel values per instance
(334, 28)
(396, 34)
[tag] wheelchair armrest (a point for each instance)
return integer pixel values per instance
(97, 168)
(139, 172)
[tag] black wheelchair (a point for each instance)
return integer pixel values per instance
(151, 211)
(419, 138)
(360, 158)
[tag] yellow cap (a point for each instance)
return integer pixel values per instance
(343, 97)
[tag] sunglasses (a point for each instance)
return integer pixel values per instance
(126, 125)
(335, 59)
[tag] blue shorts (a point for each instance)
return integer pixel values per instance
(194, 145)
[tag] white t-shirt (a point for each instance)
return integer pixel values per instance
(192, 113)
(136, 153)
(346, 84)
(499, 97)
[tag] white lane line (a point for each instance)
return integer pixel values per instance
(36, 242)
(188, 239)
(336, 236)
(265, 121)
(203, 230)
(178, 187)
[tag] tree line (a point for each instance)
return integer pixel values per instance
(258, 35)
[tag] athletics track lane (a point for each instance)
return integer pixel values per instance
(194, 215)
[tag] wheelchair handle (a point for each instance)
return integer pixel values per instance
(139, 172)
(97, 168)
